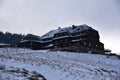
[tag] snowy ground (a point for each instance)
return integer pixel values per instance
(25, 64)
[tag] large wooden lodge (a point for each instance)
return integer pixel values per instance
(80, 38)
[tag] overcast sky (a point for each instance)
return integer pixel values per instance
(40, 16)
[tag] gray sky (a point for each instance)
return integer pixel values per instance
(40, 16)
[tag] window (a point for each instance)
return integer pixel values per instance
(85, 43)
(101, 46)
(90, 44)
(60, 40)
(56, 42)
(96, 45)
(66, 40)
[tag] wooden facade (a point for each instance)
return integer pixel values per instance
(30, 44)
(84, 41)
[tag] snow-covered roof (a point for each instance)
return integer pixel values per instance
(50, 33)
(70, 30)
(32, 37)
(4, 44)
(31, 40)
(23, 41)
(81, 28)
(64, 30)
(50, 45)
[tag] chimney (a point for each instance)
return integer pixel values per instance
(73, 26)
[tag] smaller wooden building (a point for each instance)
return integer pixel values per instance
(35, 42)
(31, 41)
(32, 44)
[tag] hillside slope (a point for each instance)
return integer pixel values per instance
(23, 64)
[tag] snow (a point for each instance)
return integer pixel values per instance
(31, 41)
(50, 45)
(70, 30)
(50, 34)
(57, 65)
(4, 44)
(24, 41)
(61, 37)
